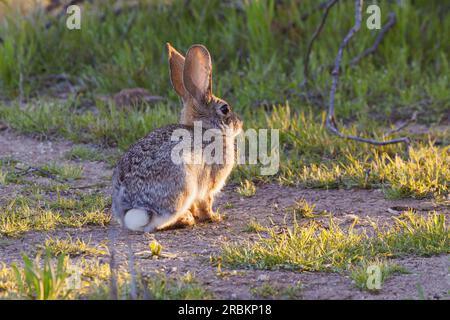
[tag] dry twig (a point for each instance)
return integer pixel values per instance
(331, 119)
(32, 170)
(403, 125)
(328, 6)
(391, 22)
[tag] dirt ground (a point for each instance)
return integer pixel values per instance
(192, 247)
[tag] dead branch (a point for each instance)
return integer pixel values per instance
(331, 119)
(391, 22)
(403, 125)
(32, 170)
(316, 33)
(89, 186)
(321, 6)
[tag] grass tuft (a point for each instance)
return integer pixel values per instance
(246, 189)
(254, 226)
(271, 291)
(21, 215)
(314, 247)
(73, 247)
(360, 274)
(86, 279)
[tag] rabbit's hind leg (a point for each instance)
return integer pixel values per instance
(178, 213)
(202, 209)
(185, 220)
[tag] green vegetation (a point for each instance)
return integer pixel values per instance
(73, 247)
(50, 279)
(90, 153)
(41, 283)
(3, 177)
(303, 209)
(22, 215)
(312, 158)
(81, 152)
(7, 174)
(408, 72)
(360, 273)
(65, 171)
(254, 226)
(246, 189)
(57, 83)
(13, 171)
(108, 126)
(316, 159)
(269, 291)
(155, 248)
(315, 247)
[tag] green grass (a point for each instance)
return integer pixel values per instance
(22, 215)
(81, 152)
(425, 173)
(108, 127)
(185, 288)
(304, 209)
(155, 248)
(254, 226)
(46, 282)
(313, 158)
(73, 247)
(13, 171)
(90, 153)
(82, 202)
(309, 154)
(313, 247)
(246, 189)
(3, 177)
(7, 174)
(360, 273)
(271, 291)
(50, 279)
(408, 72)
(65, 171)
(258, 52)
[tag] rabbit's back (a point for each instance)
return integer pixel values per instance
(146, 175)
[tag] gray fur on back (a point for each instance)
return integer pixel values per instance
(145, 176)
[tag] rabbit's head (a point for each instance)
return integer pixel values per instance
(191, 78)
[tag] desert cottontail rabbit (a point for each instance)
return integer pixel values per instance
(150, 189)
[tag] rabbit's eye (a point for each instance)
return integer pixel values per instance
(225, 109)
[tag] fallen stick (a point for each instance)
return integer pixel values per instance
(44, 173)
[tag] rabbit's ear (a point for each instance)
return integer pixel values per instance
(176, 65)
(197, 73)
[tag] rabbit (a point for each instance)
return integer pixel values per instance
(150, 190)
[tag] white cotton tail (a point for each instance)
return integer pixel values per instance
(136, 219)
